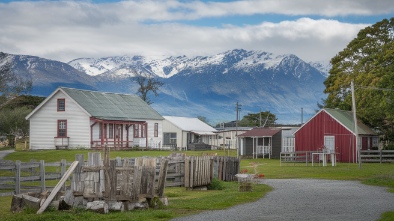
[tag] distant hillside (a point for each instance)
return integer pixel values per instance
(208, 86)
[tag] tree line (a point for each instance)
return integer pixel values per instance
(368, 60)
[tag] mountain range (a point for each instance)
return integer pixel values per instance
(208, 86)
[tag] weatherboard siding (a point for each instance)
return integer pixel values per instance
(43, 124)
(311, 137)
(169, 127)
(155, 142)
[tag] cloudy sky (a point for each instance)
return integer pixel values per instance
(314, 30)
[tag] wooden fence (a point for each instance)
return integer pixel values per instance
(181, 170)
(124, 179)
(26, 172)
(296, 157)
(377, 156)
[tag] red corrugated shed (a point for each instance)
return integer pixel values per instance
(337, 124)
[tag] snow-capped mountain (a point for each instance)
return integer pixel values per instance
(206, 86)
(323, 66)
(166, 67)
(47, 74)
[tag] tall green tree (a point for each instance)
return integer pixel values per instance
(368, 60)
(263, 119)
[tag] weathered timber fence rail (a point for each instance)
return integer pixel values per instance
(296, 157)
(23, 172)
(377, 156)
(181, 171)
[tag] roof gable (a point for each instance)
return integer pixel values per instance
(260, 132)
(345, 118)
(189, 124)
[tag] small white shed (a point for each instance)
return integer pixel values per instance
(183, 132)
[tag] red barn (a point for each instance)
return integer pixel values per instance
(334, 130)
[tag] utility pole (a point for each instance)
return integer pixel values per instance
(355, 124)
(260, 116)
(237, 107)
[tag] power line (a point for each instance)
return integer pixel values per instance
(375, 88)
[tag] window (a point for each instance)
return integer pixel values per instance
(169, 138)
(110, 131)
(143, 127)
(136, 130)
(156, 132)
(62, 128)
(61, 104)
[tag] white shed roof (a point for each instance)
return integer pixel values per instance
(194, 125)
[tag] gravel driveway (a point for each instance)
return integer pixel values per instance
(309, 199)
(4, 153)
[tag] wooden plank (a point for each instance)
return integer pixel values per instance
(192, 161)
(151, 172)
(106, 172)
(42, 175)
(57, 187)
(187, 172)
(136, 182)
(113, 179)
(76, 179)
(162, 177)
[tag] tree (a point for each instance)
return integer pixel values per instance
(12, 116)
(13, 123)
(263, 119)
(203, 119)
(146, 85)
(10, 85)
(368, 60)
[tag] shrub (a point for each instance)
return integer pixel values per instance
(215, 185)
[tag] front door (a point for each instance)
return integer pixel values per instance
(329, 143)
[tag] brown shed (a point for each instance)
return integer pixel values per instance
(261, 142)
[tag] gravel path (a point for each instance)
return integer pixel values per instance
(309, 199)
(4, 153)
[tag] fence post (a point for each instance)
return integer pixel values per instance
(63, 167)
(63, 171)
(42, 175)
(307, 153)
(18, 177)
(380, 156)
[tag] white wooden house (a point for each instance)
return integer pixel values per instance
(187, 133)
(73, 118)
(227, 137)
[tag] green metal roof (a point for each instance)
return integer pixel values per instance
(346, 119)
(112, 106)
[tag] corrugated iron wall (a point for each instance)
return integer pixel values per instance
(311, 137)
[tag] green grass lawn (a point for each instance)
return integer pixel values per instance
(184, 202)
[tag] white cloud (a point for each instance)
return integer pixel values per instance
(66, 30)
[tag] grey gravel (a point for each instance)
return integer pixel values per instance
(4, 153)
(309, 199)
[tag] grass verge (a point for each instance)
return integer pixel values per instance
(184, 202)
